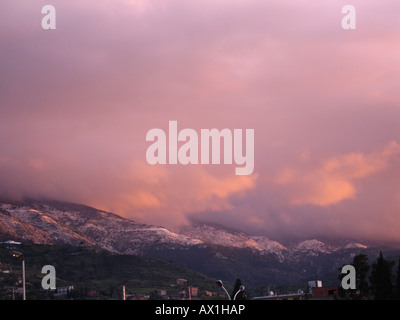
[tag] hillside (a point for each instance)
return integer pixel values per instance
(95, 271)
(210, 249)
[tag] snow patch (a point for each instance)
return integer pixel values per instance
(355, 245)
(313, 246)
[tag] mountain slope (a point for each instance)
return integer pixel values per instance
(313, 247)
(51, 222)
(218, 235)
(88, 269)
(211, 249)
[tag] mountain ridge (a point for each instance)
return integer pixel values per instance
(210, 249)
(57, 221)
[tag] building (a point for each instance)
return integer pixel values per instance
(324, 293)
(161, 293)
(141, 297)
(11, 242)
(289, 296)
(194, 291)
(317, 291)
(93, 293)
(207, 293)
(63, 290)
(181, 281)
(315, 284)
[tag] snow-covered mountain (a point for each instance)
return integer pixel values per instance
(51, 222)
(313, 247)
(211, 249)
(210, 233)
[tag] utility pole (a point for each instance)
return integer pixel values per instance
(23, 279)
(17, 255)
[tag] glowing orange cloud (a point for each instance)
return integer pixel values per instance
(165, 195)
(333, 180)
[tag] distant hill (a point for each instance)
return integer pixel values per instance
(211, 249)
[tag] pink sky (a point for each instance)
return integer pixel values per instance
(76, 104)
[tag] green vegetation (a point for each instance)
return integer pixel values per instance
(382, 284)
(93, 273)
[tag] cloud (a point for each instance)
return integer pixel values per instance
(155, 194)
(76, 105)
(334, 179)
(170, 200)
